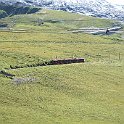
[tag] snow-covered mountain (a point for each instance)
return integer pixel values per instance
(98, 8)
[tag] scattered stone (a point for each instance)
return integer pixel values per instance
(19, 80)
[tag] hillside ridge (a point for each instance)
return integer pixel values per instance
(97, 8)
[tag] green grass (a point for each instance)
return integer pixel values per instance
(56, 21)
(87, 93)
(80, 93)
(31, 48)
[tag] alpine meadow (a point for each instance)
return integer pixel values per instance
(34, 92)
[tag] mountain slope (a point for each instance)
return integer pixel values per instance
(14, 9)
(3, 14)
(56, 21)
(98, 8)
(87, 93)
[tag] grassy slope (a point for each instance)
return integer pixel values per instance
(64, 21)
(88, 93)
(79, 93)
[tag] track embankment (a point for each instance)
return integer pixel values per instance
(51, 62)
(6, 74)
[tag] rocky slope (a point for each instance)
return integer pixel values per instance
(97, 8)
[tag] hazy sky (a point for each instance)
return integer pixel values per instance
(121, 2)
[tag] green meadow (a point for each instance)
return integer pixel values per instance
(85, 93)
